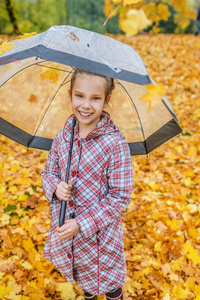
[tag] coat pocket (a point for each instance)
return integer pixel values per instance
(59, 250)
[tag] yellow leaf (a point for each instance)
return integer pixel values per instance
(14, 168)
(192, 208)
(174, 224)
(193, 232)
(16, 289)
(173, 277)
(5, 290)
(5, 46)
(156, 215)
(28, 245)
(163, 11)
(166, 297)
(184, 23)
(192, 151)
(66, 290)
(197, 289)
(133, 22)
(51, 74)
(7, 242)
(37, 183)
(23, 181)
(157, 246)
(26, 35)
(146, 271)
(22, 197)
(180, 292)
(190, 283)
(27, 265)
(4, 220)
(187, 182)
(108, 7)
(2, 189)
(191, 253)
(189, 173)
(13, 189)
(154, 95)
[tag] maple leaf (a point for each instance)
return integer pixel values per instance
(7, 242)
(154, 95)
(133, 22)
(51, 74)
(166, 297)
(191, 252)
(26, 35)
(4, 290)
(66, 290)
(6, 46)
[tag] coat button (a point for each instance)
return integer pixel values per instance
(73, 173)
(71, 204)
(69, 255)
(79, 143)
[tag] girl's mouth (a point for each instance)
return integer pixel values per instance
(84, 114)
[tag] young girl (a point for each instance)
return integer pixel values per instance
(89, 248)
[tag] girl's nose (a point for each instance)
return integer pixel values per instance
(86, 104)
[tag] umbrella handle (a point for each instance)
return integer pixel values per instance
(64, 203)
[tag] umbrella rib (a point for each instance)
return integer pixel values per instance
(43, 66)
(19, 72)
(135, 109)
(33, 64)
(47, 108)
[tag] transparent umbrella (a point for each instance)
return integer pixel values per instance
(35, 76)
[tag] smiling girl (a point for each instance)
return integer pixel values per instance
(89, 248)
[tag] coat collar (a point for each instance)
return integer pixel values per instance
(104, 124)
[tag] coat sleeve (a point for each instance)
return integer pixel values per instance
(51, 175)
(120, 183)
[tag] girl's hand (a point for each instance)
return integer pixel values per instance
(63, 190)
(68, 230)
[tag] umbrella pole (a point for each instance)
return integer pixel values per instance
(64, 203)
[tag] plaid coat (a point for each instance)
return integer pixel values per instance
(102, 176)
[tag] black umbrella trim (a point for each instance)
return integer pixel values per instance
(24, 138)
(47, 54)
(165, 133)
(168, 131)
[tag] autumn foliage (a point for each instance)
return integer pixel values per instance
(161, 224)
(136, 15)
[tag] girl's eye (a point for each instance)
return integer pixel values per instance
(79, 95)
(96, 98)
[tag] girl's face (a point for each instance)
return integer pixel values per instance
(88, 98)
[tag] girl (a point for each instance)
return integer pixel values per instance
(89, 248)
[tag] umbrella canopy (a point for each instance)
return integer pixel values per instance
(35, 76)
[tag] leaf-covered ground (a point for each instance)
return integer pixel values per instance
(161, 224)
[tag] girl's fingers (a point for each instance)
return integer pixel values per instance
(63, 233)
(63, 190)
(64, 194)
(70, 184)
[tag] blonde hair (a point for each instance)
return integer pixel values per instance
(109, 81)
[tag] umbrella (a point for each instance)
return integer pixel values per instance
(35, 75)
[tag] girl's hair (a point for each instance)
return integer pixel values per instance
(109, 81)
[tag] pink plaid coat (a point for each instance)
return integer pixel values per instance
(102, 174)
